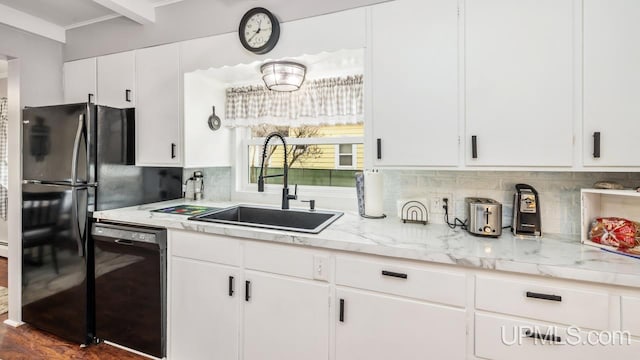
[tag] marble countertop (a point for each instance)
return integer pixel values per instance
(553, 256)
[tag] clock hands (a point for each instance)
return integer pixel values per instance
(258, 31)
(252, 36)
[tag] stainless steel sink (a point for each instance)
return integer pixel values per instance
(306, 221)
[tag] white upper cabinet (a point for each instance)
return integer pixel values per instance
(158, 106)
(79, 80)
(611, 78)
(414, 83)
(519, 82)
(116, 80)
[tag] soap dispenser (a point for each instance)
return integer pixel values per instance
(198, 185)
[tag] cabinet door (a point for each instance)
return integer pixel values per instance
(414, 83)
(519, 82)
(285, 319)
(158, 115)
(204, 314)
(116, 78)
(79, 80)
(380, 327)
(611, 78)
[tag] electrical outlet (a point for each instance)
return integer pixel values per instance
(435, 205)
(437, 202)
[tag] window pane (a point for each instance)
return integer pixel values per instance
(346, 160)
(346, 148)
(305, 170)
(309, 164)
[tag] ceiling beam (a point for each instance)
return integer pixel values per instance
(29, 23)
(141, 11)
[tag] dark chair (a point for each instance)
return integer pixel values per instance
(40, 225)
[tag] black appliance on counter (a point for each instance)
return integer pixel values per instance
(526, 211)
(130, 283)
(77, 158)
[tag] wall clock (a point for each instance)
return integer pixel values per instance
(259, 30)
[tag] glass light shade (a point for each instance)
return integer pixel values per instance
(283, 75)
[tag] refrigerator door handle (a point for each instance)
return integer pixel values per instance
(74, 208)
(76, 150)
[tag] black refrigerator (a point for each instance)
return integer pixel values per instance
(77, 158)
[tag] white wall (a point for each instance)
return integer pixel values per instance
(35, 78)
(40, 62)
(3, 87)
(189, 19)
(200, 95)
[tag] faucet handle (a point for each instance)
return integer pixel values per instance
(295, 193)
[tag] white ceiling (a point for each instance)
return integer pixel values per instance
(60, 12)
(50, 18)
(326, 64)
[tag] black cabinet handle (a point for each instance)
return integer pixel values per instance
(127, 95)
(394, 274)
(341, 310)
(247, 289)
(379, 148)
(231, 285)
(544, 296)
(547, 337)
(474, 147)
(173, 150)
(596, 144)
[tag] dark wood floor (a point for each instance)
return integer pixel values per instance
(27, 343)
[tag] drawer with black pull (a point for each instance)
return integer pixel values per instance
(544, 301)
(402, 278)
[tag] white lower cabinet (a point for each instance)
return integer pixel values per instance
(376, 326)
(507, 338)
(631, 315)
(285, 318)
(238, 299)
(205, 310)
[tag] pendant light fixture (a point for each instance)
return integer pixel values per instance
(283, 75)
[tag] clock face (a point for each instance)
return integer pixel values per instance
(259, 31)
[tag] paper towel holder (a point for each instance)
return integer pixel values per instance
(360, 193)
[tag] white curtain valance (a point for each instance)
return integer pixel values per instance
(329, 101)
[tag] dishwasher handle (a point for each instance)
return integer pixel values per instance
(124, 242)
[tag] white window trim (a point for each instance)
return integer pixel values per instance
(354, 157)
(338, 197)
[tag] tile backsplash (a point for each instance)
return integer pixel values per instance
(559, 191)
(217, 183)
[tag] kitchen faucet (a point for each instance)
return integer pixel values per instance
(285, 190)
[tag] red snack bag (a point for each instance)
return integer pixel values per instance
(613, 231)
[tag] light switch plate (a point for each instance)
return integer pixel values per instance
(321, 268)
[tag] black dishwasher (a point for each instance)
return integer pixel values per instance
(130, 286)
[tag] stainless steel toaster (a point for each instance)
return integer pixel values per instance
(484, 216)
